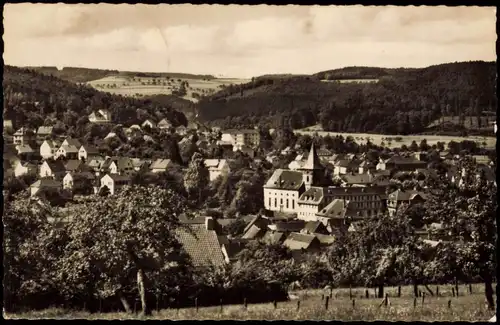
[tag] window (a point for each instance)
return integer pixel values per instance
(281, 201)
(275, 202)
(293, 204)
(287, 203)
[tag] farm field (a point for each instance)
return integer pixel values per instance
(465, 307)
(143, 86)
(405, 139)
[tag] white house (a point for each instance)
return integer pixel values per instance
(49, 148)
(23, 136)
(45, 184)
(217, 167)
(148, 123)
(70, 179)
(67, 151)
(25, 169)
(71, 142)
(121, 165)
(52, 169)
(160, 165)
(87, 152)
(164, 124)
(114, 182)
(101, 116)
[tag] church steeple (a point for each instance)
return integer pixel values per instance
(312, 162)
(312, 169)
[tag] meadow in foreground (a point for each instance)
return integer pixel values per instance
(466, 307)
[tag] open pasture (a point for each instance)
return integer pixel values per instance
(466, 307)
(396, 141)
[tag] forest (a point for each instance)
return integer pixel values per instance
(403, 101)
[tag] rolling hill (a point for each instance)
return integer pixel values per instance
(403, 101)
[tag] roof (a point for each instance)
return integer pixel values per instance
(73, 164)
(335, 209)
(45, 130)
(285, 179)
(69, 148)
(147, 122)
(138, 162)
(371, 190)
(46, 182)
(89, 149)
(22, 131)
(407, 195)
(366, 163)
(116, 177)
(53, 143)
(73, 142)
(225, 222)
(160, 164)
(313, 226)
(254, 232)
(312, 162)
(325, 239)
(95, 162)
(287, 226)
(184, 219)
(201, 244)
(24, 148)
(400, 160)
(121, 162)
(273, 237)
(164, 122)
(83, 174)
(357, 178)
(296, 241)
(56, 166)
(314, 195)
(346, 163)
(215, 163)
(232, 248)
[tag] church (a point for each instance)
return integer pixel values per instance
(283, 190)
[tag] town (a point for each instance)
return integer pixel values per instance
(271, 165)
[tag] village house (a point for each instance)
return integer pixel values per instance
(202, 243)
(121, 165)
(310, 203)
(44, 132)
(217, 167)
(54, 169)
(75, 165)
(256, 228)
(398, 197)
(366, 166)
(49, 148)
(231, 249)
(100, 116)
(160, 165)
(95, 164)
(333, 215)
(71, 142)
(302, 242)
(140, 164)
(8, 127)
(87, 152)
(110, 135)
(345, 166)
(246, 150)
(181, 130)
(239, 138)
(363, 180)
(67, 151)
(115, 182)
(43, 184)
(24, 150)
(314, 228)
(25, 168)
(274, 237)
(148, 123)
(73, 179)
(401, 163)
(24, 136)
(164, 124)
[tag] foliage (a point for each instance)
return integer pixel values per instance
(196, 178)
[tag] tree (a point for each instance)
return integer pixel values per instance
(413, 146)
(196, 178)
(104, 191)
(134, 244)
(467, 214)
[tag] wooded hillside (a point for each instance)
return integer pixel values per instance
(33, 99)
(403, 101)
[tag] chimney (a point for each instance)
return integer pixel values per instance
(209, 223)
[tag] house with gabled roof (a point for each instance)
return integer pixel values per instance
(44, 132)
(201, 243)
(366, 166)
(115, 182)
(75, 165)
(181, 130)
(49, 148)
(140, 164)
(25, 168)
(164, 124)
(401, 163)
(160, 165)
(87, 152)
(148, 123)
(273, 237)
(345, 166)
(24, 136)
(121, 165)
(72, 179)
(24, 149)
(256, 228)
(54, 169)
(67, 151)
(217, 167)
(310, 202)
(302, 242)
(100, 116)
(398, 197)
(44, 183)
(71, 142)
(231, 249)
(314, 228)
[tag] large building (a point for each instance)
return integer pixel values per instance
(283, 189)
(241, 138)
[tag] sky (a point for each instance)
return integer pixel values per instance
(244, 41)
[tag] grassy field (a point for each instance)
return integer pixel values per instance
(405, 139)
(140, 86)
(465, 307)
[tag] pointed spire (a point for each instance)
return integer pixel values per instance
(312, 162)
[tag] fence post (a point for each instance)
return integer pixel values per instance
(298, 305)
(437, 291)
(456, 286)
(353, 303)
(322, 297)
(326, 302)
(453, 291)
(449, 303)
(415, 302)
(331, 292)
(245, 302)
(196, 303)
(423, 298)
(367, 295)
(470, 288)
(275, 304)
(386, 300)
(350, 292)
(399, 291)
(419, 293)
(221, 306)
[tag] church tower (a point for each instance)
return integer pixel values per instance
(312, 171)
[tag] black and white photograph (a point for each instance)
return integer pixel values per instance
(249, 162)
